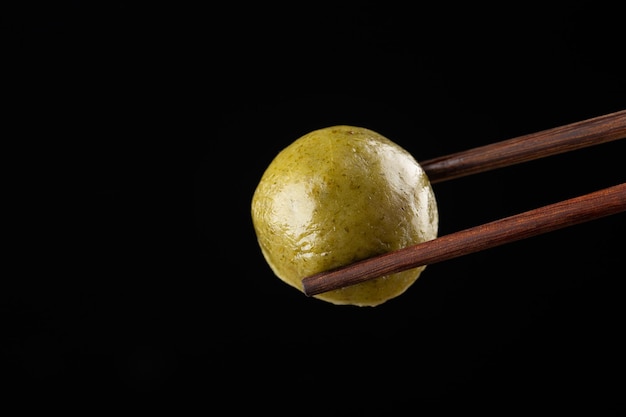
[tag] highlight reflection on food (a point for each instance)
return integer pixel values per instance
(338, 195)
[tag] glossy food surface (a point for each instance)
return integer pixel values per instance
(338, 195)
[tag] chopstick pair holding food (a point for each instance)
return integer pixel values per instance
(317, 256)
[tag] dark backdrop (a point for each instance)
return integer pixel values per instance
(136, 134)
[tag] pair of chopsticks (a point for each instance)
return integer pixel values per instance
(605, 202)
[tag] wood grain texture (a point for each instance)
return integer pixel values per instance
(566, 213)
(529, 147)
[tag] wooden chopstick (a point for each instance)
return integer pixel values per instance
(525, 148)
(566, 213)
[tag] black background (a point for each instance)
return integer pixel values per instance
(136, 134)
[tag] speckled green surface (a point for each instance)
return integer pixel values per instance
(338, 195)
